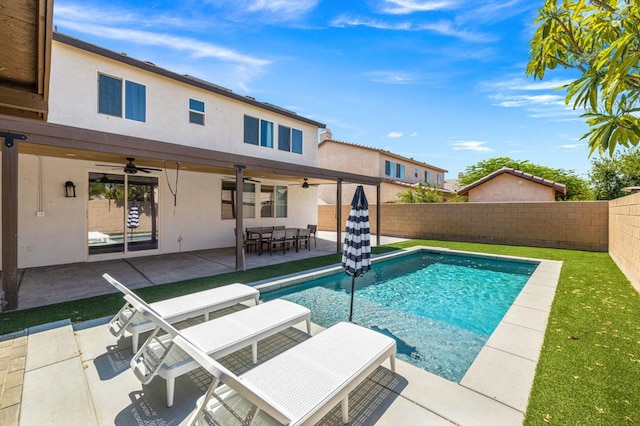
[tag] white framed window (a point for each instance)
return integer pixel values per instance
(196, 112)
(112, 94)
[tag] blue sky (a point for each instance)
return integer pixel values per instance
(442, 81)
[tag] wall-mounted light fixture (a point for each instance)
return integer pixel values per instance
(69, 189)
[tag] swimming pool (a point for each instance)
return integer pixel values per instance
(440, 307)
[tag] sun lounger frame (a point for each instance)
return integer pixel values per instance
(175, 309)
(311, 355)
(218, 337)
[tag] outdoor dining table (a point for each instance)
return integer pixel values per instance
(261, 232)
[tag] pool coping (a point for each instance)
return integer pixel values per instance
(497, 385)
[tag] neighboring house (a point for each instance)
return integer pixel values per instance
(398, 173)
(508, 184)
(132, 159)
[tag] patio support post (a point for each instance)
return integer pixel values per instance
(10, 219)
(339, 216)
(378, 215)
(240, 266)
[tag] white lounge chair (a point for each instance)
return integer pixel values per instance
(298, 386)
(175, 309)
(217, 338)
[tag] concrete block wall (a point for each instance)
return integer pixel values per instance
(571, 225)
(624, 236)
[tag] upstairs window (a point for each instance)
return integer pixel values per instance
(389, 168)
(251, 134)
(427, 176)
(438, 179)
(296, 141)
(196, 112)
(109, 95)
(284, 138)
(400, 171)
(266, 133)
(135, 105)
(110, 98)
(415, 172)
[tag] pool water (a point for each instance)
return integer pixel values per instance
(440, 308)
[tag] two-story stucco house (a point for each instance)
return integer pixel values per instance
(398, 173)
(134, 159)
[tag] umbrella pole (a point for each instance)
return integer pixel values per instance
(353, 289)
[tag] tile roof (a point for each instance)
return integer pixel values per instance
(559, 187)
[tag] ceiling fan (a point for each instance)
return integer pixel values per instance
(306, 184)
(132, 169)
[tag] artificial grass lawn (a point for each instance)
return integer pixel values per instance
(589, 367)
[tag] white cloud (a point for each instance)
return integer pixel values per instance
(573, 146)
(391, 77)
(444, 28)
(346, 21)
(281, 10)
(404, 7)
(476, 146)
(511, 101)
(395, 134)
(195, 48)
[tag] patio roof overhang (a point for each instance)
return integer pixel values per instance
(55, 140)
(25, 136)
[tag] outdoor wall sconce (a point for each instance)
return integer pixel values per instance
(69, 189)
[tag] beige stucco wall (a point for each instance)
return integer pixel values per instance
(571, 225)
(365, 161)
(624, 236)
(506, 187)
(73, 101)
(195, 223)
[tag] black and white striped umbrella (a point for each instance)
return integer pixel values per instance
(356, 250)
(133, 218)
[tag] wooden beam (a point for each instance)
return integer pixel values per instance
(22, 100)
(10, 219)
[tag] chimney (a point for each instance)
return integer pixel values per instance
(325, 134)
(460, 175)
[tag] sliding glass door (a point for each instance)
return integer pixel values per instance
(119, 226)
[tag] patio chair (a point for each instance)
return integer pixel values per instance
(277, 239)
(313, 229)
(249, 244)
(175, 309)
(291, 238)
(304, 237)
(298, 386)
(218, 337)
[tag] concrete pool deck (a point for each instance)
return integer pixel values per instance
(80, 375)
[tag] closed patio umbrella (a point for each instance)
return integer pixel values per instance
(133, 219)
(356, 250)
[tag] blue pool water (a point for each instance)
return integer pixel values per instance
(440, 308)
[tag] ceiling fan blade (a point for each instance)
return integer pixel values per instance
(148, 169)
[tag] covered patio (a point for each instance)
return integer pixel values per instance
(30, 137)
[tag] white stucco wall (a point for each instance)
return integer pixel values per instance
(73, 101)
(506, 187)
(60, 236)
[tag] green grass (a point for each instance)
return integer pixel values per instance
(589, 368)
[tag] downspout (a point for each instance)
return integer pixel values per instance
(240, 266)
